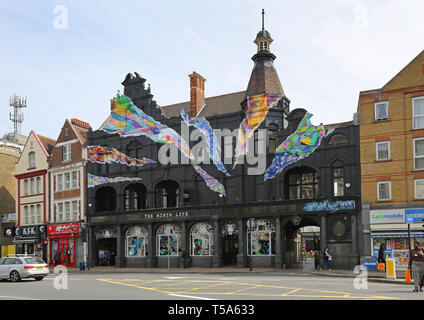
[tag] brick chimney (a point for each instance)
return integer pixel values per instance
(80, 123)
(197, 93)
(112, 104)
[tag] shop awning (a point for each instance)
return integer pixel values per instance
(396, 234)
(25, 241)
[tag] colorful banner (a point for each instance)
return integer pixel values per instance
(109, 155)
(128, 120)
(214, 149)
(212, 183)
(300, 144)
(257, 109)
(93, 180)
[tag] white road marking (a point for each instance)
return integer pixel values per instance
(17, 298)
(174, 278)
(190, 297)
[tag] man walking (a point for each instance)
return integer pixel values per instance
(416, 265)
(186, 256)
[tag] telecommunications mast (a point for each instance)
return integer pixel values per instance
(17, 117)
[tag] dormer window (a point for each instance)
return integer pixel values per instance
(382, 111)
(31, 159)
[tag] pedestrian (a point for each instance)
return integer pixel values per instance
(327, 259)
(382, 255)
(316, 260)
(416, 266)
(56, 258)
(186, 256)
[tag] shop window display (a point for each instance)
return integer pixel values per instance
(137, 240)
(168, 238)
(262, 238)
(202, 240)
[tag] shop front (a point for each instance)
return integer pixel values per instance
(30, 240)
(64, 241)
(389, 228)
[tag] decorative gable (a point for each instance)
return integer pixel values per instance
(410, 76)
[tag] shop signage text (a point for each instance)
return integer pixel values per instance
(63, 228)
(166, 215)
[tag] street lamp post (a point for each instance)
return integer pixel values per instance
(250, 238)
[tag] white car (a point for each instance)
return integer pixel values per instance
(17, 268)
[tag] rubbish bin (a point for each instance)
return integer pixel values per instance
(82, 265)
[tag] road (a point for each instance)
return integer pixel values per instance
(153, 286)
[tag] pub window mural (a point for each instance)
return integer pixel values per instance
(168, 238)
(137, 240)
(202, 240)
(261, 239)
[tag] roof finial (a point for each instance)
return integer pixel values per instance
(263, 19)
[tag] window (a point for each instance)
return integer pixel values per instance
(383, 150)
(168, 238)
(59, 212)
(59, 182)
(338, 182)
(39, 220)
(419, 154)
(105, 199)
(66, 149)
(262, 238)
(31, 158)
(419, 188)
(418, 112)
(32, 186)
(26, 215)
(135, 197)
(67, 211)
(384, 191)
(137, 241)
(75, 211)
(302, 183)
(272, 144)
(167, 194)
(67, 181)
(75, 180)
(26, 187)
(202, 240)
(32, 209)
(381, 110)
(38, 185)
(337, 139)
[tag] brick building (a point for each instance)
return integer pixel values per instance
(32, 195)
(392, 160)
(67, 174)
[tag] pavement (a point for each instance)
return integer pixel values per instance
(373, 276)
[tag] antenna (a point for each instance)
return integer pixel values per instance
(17, 117)
(263, 19)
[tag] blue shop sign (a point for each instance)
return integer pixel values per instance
(414, 216)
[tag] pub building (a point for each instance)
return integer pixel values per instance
(312, 204)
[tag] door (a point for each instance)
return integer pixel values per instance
(230, 250)
(106, 251)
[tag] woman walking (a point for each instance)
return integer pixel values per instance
(327, 259)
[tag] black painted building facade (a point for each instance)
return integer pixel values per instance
(146, 224)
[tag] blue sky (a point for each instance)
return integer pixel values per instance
(327, 52)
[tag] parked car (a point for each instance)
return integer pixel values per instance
(17, 268)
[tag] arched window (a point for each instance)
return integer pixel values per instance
(337, 139)
(302, 183)
(26, 215)
(32, 185)
(202, 240)
(261, 238)
(272, 132)
(135, 197)
(338, 177)
(167, 194)
(168, 238)
(38, 185)
(39, 219)
(26, 186)
(136, 242)
(105, 199)
(31, 159)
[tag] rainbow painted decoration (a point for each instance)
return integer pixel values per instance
(212, 183)
(300, 144)
(97, 154)
(257, 109)
(128, 120)
(93, 180)
(214, 149)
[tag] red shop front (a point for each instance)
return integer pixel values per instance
(63, 238)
